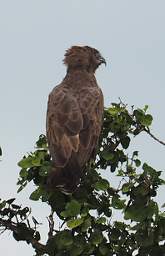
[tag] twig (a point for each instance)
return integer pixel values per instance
(40, 248)
(51, 225)
(60, 226)
(3, 230)
(153, 136)
(123, 179)
(122, 103)
(28, 223)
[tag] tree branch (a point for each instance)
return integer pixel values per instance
(51, 225)
(153, 136)
(14, 227)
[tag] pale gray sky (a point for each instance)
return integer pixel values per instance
(33, 38)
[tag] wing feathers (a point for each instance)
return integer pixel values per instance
(73, 124)
(74, 140)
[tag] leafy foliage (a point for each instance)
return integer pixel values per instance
(89, 225)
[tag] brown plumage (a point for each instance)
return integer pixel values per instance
(74, 118)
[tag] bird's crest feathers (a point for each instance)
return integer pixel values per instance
(83, 57)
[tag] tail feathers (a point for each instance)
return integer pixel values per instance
(65, 179)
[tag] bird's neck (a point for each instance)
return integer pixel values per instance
(80, 72)
(76, 68)
(76, 76)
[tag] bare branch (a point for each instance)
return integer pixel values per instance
(153, 136)
(51, 225)
(14, 227)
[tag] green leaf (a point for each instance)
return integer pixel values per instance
(138, 113)
(75, 222)
(76, 250)
(120, 172)
(64, 239)
(142, 118)
(145, 108)
(45, 195)
(25, 162)
(88, 249)
(32, 160)
(125, 141)
(120, 225)
(135, 153)
(141, 212)
(72, 209)
(103, 184)
(64, 214)
(22, 187)
(107, 155)
(147, 120)
(134, 213)
(115, 234)
(96, 237)
(141, 190)
(137, 162)
(117, 203)
(78, 246)
(35, 196)
(42, 142)
(10, 201)
(113, 111)
(101, 220)
(86, 224)
(36, 161)
(149, 170)
(23, 173)
(15, 206)
(2, 204)
(38, 158)
(103, 249)
(84, 211)
(126, 187)
(44, 170)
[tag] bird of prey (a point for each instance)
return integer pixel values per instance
(74, 118)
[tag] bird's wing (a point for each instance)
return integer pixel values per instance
(73, 124)
(91, 104)
(64, 123)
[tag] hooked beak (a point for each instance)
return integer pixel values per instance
(102, 61)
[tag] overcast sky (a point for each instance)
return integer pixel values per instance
(34, 35)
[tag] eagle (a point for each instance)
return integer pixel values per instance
(74, 118)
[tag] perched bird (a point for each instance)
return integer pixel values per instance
(74, 118)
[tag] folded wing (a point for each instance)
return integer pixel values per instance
(73, 124)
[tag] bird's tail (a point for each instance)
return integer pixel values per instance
(65, 179)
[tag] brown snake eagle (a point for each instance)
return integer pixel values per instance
(74, 118)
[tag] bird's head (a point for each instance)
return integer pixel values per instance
(83, 57)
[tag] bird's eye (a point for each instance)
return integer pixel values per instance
(97, 54)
